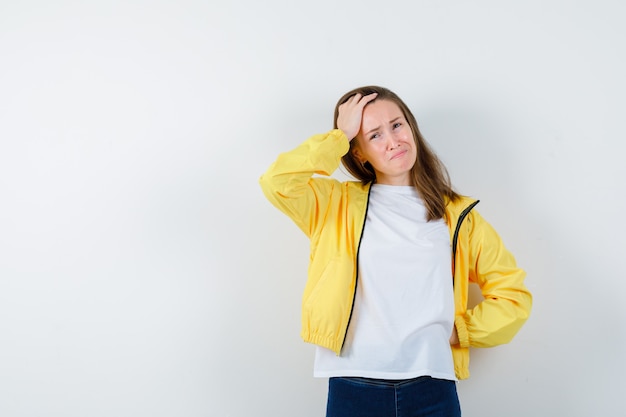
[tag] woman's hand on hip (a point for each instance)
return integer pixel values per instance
(454, 338)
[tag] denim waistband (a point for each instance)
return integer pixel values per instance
(383, 382)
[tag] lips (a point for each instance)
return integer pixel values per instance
(398, 154)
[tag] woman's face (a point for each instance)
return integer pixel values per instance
(386, 142)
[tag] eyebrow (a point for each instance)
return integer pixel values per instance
(378, 127)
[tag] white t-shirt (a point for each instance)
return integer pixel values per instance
(403, 313)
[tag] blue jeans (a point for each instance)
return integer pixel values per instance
(418, 397)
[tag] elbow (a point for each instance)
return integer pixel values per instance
(268, 187)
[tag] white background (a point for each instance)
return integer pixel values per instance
(142, 273)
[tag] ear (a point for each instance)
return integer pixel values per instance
(356, 152)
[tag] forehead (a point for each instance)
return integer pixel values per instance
(380, 111)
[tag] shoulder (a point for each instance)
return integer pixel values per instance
(460, 208)
(339, 189)
(356, 186)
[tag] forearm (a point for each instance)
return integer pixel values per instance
(495, 320)
(320, 154)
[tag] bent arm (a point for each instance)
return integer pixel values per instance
(288, 183)
(507, 302)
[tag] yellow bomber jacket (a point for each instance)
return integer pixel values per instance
(332, 214)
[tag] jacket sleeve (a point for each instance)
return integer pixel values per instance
(507, 301)
(289, 184)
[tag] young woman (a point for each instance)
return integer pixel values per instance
(388, 315)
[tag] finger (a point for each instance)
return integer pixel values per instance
(358, 100)
(366, 99)
(355, 99)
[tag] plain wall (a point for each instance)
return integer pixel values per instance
(142, 272)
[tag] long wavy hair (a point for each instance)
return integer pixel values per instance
(430, 177)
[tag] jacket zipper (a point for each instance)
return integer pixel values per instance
(456, 233)
(356, 277)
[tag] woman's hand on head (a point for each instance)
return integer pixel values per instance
(351, 113)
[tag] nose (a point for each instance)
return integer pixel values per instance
(392, 142)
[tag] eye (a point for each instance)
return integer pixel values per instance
(397, 125)
(374, 136)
